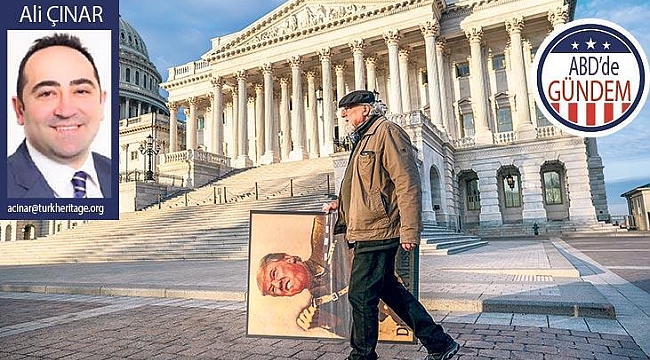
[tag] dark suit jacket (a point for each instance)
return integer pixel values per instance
(24, 180)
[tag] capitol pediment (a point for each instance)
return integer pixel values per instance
(300, 16)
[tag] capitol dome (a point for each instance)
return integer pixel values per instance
(139, 79)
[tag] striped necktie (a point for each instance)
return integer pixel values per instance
(79, 184)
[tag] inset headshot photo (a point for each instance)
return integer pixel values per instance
(59, 114)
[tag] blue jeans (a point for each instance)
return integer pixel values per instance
(373, 278)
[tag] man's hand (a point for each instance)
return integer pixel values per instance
(306, 317)
(330, 206)
(409, 246)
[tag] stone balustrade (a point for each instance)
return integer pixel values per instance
(546, 132)
(191, 68)
(464, 143)
(195, 155)
(505, 137)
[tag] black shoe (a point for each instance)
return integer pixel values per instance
(445, 355)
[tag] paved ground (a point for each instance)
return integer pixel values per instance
(157, 320)
(628, 257)
(88, 327)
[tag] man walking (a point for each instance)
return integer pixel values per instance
(379, 209)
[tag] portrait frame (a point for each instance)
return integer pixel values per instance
(294, 233)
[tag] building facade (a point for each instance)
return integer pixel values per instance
(454, 74)
(638, 203)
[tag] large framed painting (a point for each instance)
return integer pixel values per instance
(298, 275)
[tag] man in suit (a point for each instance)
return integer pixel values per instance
(60, 104)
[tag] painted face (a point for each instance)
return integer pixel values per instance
(62, 104)
(286, 277)
(354, 115)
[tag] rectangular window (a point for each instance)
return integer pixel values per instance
(134, 155)
(462, 69)
(552, 188)
(504, 120)
(468, 124)
(473, 195)
(541, 119)
(499, 62)
(512, 194)
(200, 123)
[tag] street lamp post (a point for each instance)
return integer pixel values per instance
(149, 149)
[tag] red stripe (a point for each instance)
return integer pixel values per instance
(573, 112)
(624, 106)
(591, 114)
(609, 112)
(556, 106)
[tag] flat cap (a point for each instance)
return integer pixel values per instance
(357, 97)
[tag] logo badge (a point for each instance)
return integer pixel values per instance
(591, 78)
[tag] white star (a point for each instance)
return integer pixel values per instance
(574, 45)
(590, 44)
(606, 45)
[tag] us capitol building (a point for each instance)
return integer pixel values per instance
(454, 75)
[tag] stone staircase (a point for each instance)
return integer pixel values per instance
(438, 240)
(264, 182)
(200, 225)
(216, 231)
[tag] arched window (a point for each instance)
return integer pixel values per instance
(473, 195)
(137, 77)
(511, 190)
(127, 75)
(552, 188)
(144, 80)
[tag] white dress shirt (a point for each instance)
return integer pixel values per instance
(59, 176)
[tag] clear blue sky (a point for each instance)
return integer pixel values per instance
(179, 32)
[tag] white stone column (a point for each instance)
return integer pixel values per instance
(173, 126)
(395, 94)
(558, 16)
(371, 71)
(190, 127)
(405, 81)
(524, 123)
(444, 103)
(243, 160)
(430, 30)
(127, 104)
(251, 127)
(477, 87)
(340, 92)
(357, 54)
(328, 107)
(234, 147)
(270, 132)
(260, 129)
(312, 116)
(285, 118)
(217, 116)
(298, 111)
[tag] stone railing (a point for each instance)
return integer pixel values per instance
(196, 155)
(464, 143)
(546, 132)
(505, 137)
(146, 119)
(140, 175)
(191, 68)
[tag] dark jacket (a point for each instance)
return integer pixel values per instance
(24, 180)
(385, 197)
